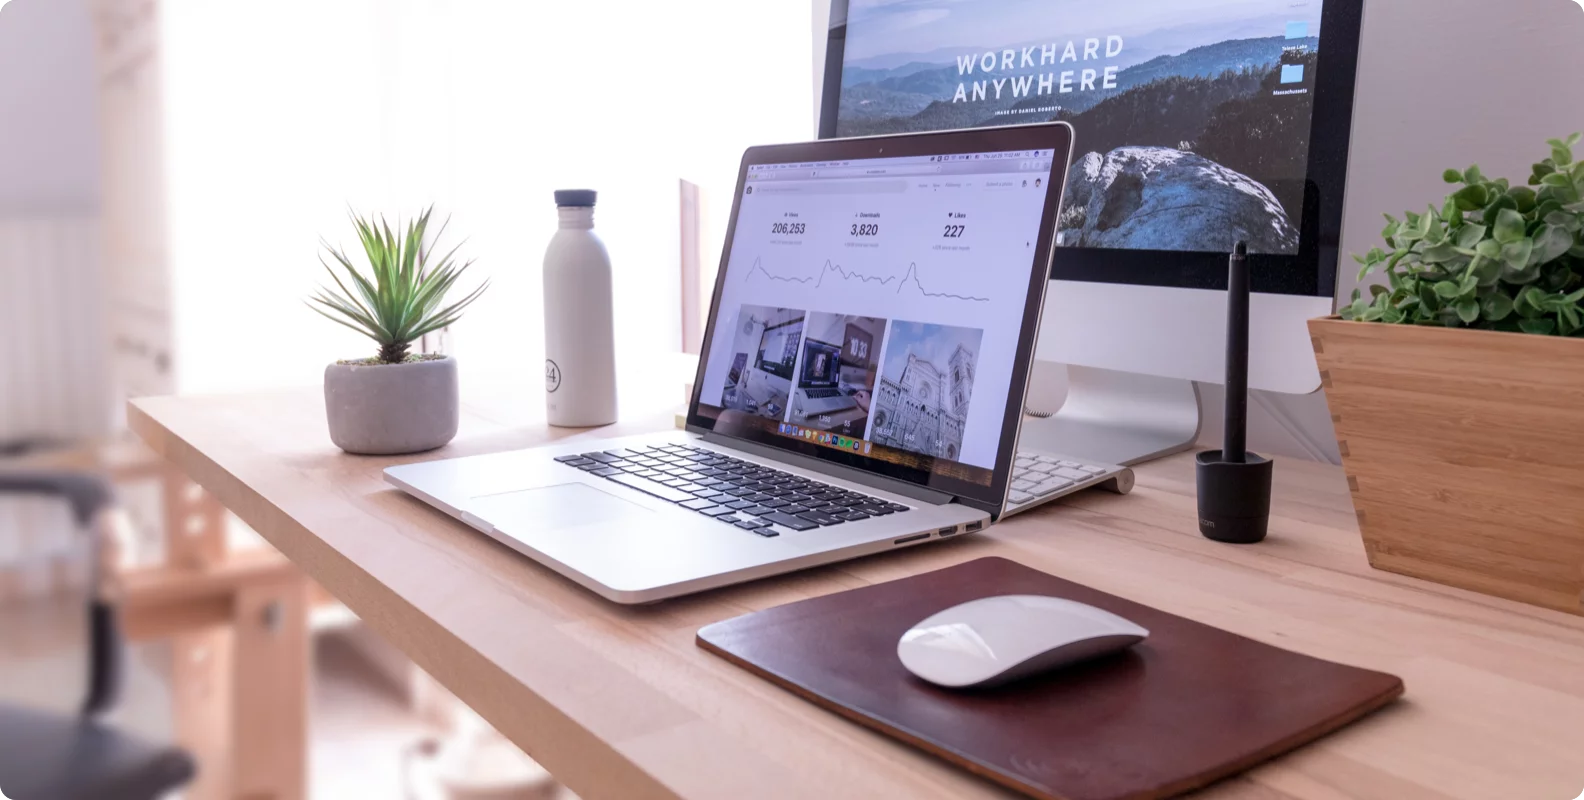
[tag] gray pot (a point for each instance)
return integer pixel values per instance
(390, 409)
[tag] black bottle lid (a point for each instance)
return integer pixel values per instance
(575, 197)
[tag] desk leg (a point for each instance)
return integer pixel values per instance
(272, 673)
(241, 696)
(202, 690)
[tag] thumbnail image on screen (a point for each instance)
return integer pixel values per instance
(764, 349)
(926, 387)
(836, 383)
(1192, 120)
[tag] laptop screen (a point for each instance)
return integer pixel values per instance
(875, 307)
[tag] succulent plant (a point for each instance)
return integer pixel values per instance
(402, 299)
(1494, 256)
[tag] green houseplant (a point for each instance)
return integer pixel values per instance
(1493, 256)
(397, 401)
(1457, 426)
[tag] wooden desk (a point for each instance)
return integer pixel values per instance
(620, 704)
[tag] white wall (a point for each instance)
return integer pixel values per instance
(1442, 83)
(49, 147)
(282, 114)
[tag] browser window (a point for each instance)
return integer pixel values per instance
(875, 306)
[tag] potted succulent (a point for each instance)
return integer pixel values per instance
(396, 401)
(1457, 387)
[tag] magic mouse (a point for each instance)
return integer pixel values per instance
(995, 640)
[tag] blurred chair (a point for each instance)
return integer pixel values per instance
(53, 757)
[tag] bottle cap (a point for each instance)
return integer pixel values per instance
(575, 197)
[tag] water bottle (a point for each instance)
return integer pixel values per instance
(580, 342)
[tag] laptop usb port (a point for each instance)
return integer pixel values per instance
(911, 539)
(975, 526)
(945, 532)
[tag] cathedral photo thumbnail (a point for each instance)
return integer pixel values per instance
(926, 385)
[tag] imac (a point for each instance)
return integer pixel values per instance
(1198, 123)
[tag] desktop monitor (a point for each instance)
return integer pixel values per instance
(1198, 123)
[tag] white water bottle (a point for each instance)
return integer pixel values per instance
(580, 341)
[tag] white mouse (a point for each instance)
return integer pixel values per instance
(995, 640)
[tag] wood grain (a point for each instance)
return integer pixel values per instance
(619, 703)
(1462, 448)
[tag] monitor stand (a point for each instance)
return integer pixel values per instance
(1111, 417)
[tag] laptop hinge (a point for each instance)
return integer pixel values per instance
(882, 483)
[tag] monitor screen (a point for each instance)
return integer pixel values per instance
(1192, 118)
(821, 365)
(876, 307)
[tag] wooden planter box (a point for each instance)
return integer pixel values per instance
(1464, 451)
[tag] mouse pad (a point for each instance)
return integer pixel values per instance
(1188, 706)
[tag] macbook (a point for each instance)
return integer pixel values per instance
(860, 385)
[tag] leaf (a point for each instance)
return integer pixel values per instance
(1439, 254)
(1557, 179)
(1524, 197)
(1468, 310)
(1448, 290)
(1497, 307)
(1561, 154)
(1538, 327)
(1428, 298)
(1551, 242)
(1452, 176)
(1487, 271)
(1496, 205)
(1376, 290)
(1471, 235)
(1473, 175)
(1509, 226)
(1372, 314)
(1517, 254)
(1489, 248)
(1568, 320)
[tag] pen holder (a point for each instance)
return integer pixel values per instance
(1234, 499)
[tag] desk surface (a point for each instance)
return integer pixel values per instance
(619, 703)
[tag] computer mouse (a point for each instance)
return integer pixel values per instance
(996, 640)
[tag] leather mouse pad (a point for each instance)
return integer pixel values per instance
(1188, 706)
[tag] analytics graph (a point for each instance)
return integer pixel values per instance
(909, 280)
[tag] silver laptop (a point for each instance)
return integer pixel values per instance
(860, 387)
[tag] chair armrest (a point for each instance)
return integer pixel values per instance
(90, 497)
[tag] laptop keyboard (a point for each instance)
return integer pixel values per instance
(821, 394)
(736, 492)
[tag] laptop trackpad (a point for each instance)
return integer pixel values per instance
(553, 507)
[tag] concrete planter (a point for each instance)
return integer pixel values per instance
(391, 409)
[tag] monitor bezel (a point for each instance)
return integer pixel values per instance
(1312, 272)
(1050, 136)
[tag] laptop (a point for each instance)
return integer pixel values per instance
(860, 386)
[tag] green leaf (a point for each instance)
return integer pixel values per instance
(1452, 176)
(1524, 197)
(1557, 179)
(1376, 290)
(1551, 243)
(1487, 271)
(1489, 248)
(1517, 253)
(1471, 235)
(1538, 327)
(1468, 310)
(1568, 320)
(1439, 254)
(1473, 175)
(1496, 205)
(1448, 290)
(1372, 314)
(1561, 154)
(1509, 226)
(1428, 298)
(1497, 307)
(1471, 198)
